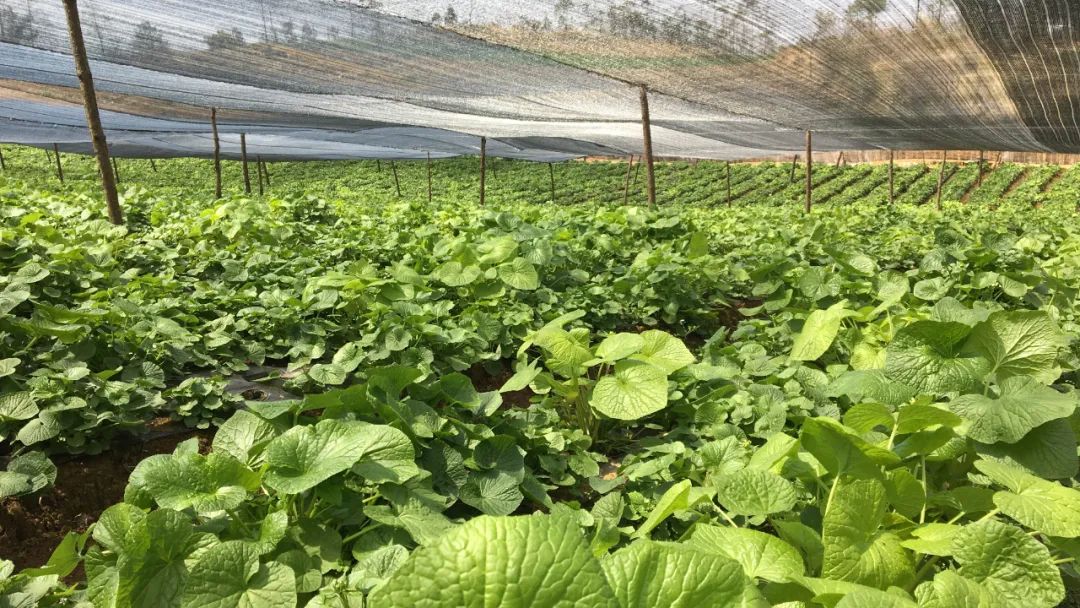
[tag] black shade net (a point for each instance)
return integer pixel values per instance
(546, 80)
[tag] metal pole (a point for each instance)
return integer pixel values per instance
(483, 168)
(244, 160)
(941, 177)
(429, 177)
(626, 186)
(93, 118)
(59, 167)
(809, 170)
(727, 170)
(892, 176)
(551, 173)
(217, 153)
(646, 131)
(397, 184)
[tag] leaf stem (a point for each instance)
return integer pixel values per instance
(926, 491)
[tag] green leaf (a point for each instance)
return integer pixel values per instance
(874, 598)
(1041, 505)
(7, 368)
(17, 406)
(856, 549)
(1010, 564)
(917, 417)
(492, 492)
(1048, 451)
(664, 351)
(216, 482)
(676, 498)
(761, 555)
(933, 539)
(665, 575)
(634, 391)
(243, 436)
(26, 474)
(304, 456)
(950, 590)
(619, 346)
(905, 492)
(531, 561)
(1019, 343)
(753, 492)
(870, 385)
(330, 374)
(453, 274)
(819, 331)
(927, 356)
(1022, 405)
(519, 274)
(842, 451)
(229, 575)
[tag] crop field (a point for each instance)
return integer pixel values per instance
(334, 395)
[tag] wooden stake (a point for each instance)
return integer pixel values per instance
(982, 154)
(809, 170)
(892, 176)
(429, 177)
(941, 177)
(93, 117)
(626, 186)
(397, 184)
(153, 165)
(794, 164)
(483, 168)
(551, 174)
(217, 153)
(3, 163)
(378, 165)
(116, 169)
(839, 159)
(244, 160)
(259, 169)
(48, 156)
(266, 172)
(727, 170)
(59, 166)
(646, 131)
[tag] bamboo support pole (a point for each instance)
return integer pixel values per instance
(646, 131)
(794, 165)
(982, 156)
(3, 163)
(483, 169)
(378, 165)
(839, 159)
(217, 153)
(551, 174)
(429, 177)
(59, 165)
(116, 168)
(244, 161)
(626, 185)
(259, 170)
(153, 166)
(266, 172)
(397, 183)
(941, 177)
(809, 170)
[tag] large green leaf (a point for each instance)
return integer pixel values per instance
(1019, 343)
(17, 406)
(519, 274)
(304, 456)
(928, 357)
(1013, 566)
(664, 351)
(489, 562)
(215, 482)
(819, 331)
(842, 451)
(635, 390)
(619, 346)
(229, 575)
(243, 436)
(665, 575)
(1048, 451)
(857, 550)
(754, 492)
(950, 590)
(761, 555)
(1041, 505)
(1021, 405)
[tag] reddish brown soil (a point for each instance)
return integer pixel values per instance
(31, 527)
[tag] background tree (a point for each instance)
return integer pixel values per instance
(225, 40)
(148, 44)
